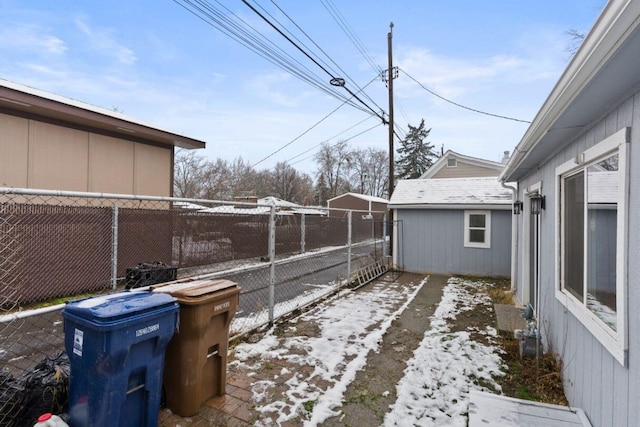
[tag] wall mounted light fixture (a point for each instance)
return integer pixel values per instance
(537, 203)
(517, 207)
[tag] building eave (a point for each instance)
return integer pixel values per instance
(601, 72)
(23, 101)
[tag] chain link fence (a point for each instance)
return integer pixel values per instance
(56, 246)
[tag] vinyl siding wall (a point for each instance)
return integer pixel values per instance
(465, 170)
(433, 241)
(593, 379)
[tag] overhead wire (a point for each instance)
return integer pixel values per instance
(242, 32)
(345, 140)
(307, 130)
(325, 53)
(351, 35)
(333, 77)
(239, 30)
(329, 139)
(463, 106)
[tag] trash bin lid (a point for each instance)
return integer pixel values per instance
(117, 305)
(197, 289)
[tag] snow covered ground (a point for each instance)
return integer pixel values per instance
(319, 364)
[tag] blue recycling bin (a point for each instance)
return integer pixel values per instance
(116, 345)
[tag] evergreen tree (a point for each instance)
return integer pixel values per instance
(322, 191)
(415, 154)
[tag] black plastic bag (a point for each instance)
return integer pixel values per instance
(46, 389)
(11, 400)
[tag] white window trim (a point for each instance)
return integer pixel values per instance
(616, 342)
(535, 188)
(487, 228)
(455, 163)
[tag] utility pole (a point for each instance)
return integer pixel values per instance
(391, 73)
(390, 77)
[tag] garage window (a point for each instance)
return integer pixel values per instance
(477, 229)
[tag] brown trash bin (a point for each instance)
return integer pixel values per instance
(195, 367)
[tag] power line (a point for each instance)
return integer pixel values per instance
(460, 105)
(325, 53)
(328, 139)
(335, 81)
(237, 29)
(345, 140)
(306, 131)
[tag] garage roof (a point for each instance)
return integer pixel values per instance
(25, 101)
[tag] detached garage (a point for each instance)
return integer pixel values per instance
(357, 202)
(452, 226)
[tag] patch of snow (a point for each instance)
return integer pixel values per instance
(349, 327)
(435, 388)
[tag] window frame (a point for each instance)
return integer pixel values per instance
(615, 341)
(455, 162)
(487, 229)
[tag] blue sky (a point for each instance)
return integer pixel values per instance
(157, 62)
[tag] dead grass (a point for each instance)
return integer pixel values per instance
(538, 379)
(530, 378)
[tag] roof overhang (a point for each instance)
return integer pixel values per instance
(27, 102)
(605, 68)
(486, 207)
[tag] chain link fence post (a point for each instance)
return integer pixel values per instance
(272, 260)
(302, 232)
(385, 252)
(349, 233)
(114, 247)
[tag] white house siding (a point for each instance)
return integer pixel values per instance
(432, 240)
(594, 380)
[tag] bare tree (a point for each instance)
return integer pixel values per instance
(576, 40)
(188, 174)
(369, 171)
(334, 163)
(242, 177)
(289, 184)
(379, 172)
(217, 179)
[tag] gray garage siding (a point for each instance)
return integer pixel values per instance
(433, 241)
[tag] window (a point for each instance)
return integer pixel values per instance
(477, 229)
(452, 163)
(592, 194)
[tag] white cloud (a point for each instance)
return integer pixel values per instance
(102, 40)
(276, 88)
(32, 38)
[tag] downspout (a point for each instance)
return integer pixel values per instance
(514, 237)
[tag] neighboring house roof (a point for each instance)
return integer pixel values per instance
(40, 105)
(451, 193)
(474, 161)
(601, 71)
(290, 206)
(361, 196)
(263, 207)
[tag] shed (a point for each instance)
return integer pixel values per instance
(452, 226)
(57, 143)
(357, 202)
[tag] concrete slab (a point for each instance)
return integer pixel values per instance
(486, 409)
(509, 318)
